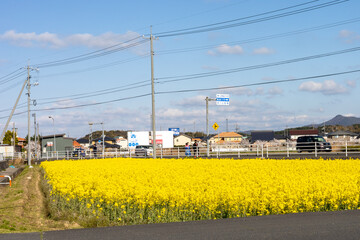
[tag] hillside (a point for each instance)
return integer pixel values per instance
(343, 121)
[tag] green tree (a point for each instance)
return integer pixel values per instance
(9, 137)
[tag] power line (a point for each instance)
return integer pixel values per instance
(92, 55)
(228, 71)
(93, 95)
(236, 19)
(188, 77)
(86, 95)
(213, 27)
(12, 76)
(194, 90)
(97, 67)
(259, 83)
(94, 104)
(257, 39)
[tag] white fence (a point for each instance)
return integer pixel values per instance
(259, 149)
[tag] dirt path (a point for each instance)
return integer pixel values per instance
(22, 207)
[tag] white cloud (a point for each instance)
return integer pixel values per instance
(349, 36)
(52, 40)
(190, 102)
(263, 51)
(328, 87)
(275, 91)
(226, 49)
(351, 83)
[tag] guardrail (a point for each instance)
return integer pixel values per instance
(6, 176)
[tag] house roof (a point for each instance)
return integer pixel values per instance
(105, 139)
(196, 139)
(227, 135)
(183, 136)
(63, 135)
(304, 132)
(107, 145)
(265, 135)
(76, 144)
(21, 139)
(342, 133)
(82, 140)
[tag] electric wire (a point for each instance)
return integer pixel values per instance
(193, 90)
(12, 76)
(188, 77)
(276, 16)
(236, 19)
(97, 67)
(259, 83)
(233, 70)
(91, 55)
(257, 39)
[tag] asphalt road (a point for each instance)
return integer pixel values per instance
(320, 225)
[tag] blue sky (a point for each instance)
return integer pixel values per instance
(264, 41)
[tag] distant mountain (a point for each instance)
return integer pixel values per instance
(342, 120)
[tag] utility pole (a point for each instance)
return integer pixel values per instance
(28, 106)
(207, 99)
(227, 126)
(38, 134)
(103, 138)
(35, 147)
(13, 139)
(153, 92)
(54, 145)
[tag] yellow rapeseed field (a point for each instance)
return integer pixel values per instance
(131, 191)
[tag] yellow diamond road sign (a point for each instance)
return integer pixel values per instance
(215, 126)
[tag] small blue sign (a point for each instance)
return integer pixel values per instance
(175, 130)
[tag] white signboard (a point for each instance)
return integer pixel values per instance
(164, 138)
(138, 138)
(222, 99)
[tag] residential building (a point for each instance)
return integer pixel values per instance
(83, 142)
(61, 146)
(225, 138)
(181, 140)
(122, 142)
(342, 135)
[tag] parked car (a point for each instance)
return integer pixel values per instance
(143, 150)
(78, 153)
(308, 143)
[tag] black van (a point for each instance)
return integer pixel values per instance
(308, 143)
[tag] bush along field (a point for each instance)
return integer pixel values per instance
(125, 191)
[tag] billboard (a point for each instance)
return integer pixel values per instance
(137, 138)
(164, 138)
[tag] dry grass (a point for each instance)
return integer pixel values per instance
(23, 206)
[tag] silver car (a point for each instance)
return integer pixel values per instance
(143, 150)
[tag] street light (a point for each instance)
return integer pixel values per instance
(54, 132)
(103, 136)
